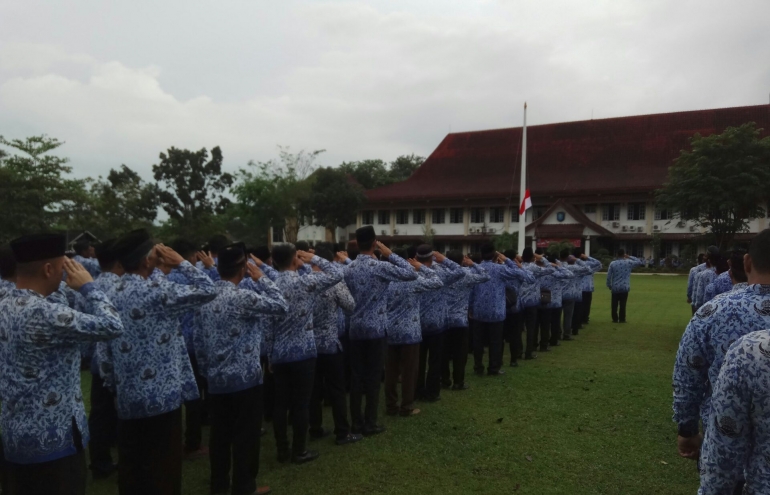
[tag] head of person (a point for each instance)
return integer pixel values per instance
(352, 249)
(39, 262)
(135, 252)
(411, 252)
(105, 254)
(510, 253)
(701, 258)
(621, 253)
(722, 265)
(571, 259)
(757, 261)
(424, 254)
(216, 243)
(577, 252)
(7, 263)
(302, 246)
(476, 258)
(456, 256)
(325, 253)
(263, 253)
(231, 262)
(285, 257)
(563, 254)
(365, 238)
(186, 250)
(401, 253)
(712, 256)
(527, 255)
(83, 248)
(488, 252)
(737, 271)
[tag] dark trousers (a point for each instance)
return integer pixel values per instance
(587, 299)
(556, 333)
(544, 322)
(491, 332)
(512, 330)
(193, 411)
(429, 383)
(619, 299)
(293, 388)
(577, 317)
(103, 425)
(568, 312)
(150, 454)
(529, 320)
(456, 352)
(402, 361)
(65, 476)
(366, 359)
(236, 421)
(268, 390)
(330, 382)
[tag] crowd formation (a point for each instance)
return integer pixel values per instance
(240, 335)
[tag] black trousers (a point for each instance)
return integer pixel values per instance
(103, 425)
(544, 322)
(512, 331)
(330, 382)
(150, 454)
(194, 410)
(619, 299)
(556, 332)
(577, 317)
(456, 352)
(367, 360)
(491, 332)
(65, 476)
(268, 390)
(529, 320)
(236, 421)
(587, 299)
(293, 388)
(430, 360)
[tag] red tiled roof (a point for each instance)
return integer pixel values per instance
(573, 159)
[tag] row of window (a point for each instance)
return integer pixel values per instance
(477, 215)
(634, 211)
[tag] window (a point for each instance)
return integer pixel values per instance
(611, 211)
(636, 211)
(663, 214)
(589, 208)
(456, 215)
(277, 234)
(439, 216)
(418, 217)
(383, 217)
(537, 212)
(514, 215)
(440, 247)
(477, 215)
(402, 217)
(496, 215)
(666, 249)
(636, 249)
(367, 217)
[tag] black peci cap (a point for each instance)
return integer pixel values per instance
(38, 247)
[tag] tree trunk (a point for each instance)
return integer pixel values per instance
(291, 230)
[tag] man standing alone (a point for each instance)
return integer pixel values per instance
(619, 282)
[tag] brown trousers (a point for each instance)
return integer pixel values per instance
(403, 360)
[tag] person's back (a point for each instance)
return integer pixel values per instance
(619, 273)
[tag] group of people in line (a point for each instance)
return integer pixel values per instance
(257, 333)
(721, 375)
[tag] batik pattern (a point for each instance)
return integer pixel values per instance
(325, 317)
(723, 283)
(404, 307)
(489, 297)
(434, 304)
(458, 295)
(619, 274)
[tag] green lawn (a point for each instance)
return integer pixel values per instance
(591, 417)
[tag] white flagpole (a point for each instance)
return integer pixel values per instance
(523, 185)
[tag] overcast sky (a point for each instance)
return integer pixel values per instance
(122, 81)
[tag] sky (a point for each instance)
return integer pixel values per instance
(120, 82)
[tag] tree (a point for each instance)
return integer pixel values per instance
(404, 166)
(369, 173)
(333, 200)
(191, 190)
(721, 183)
(35, 194)
(506, 241)
(274, 193)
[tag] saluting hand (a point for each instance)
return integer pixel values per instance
(341, 257)
(304, 256)
(168, 256)
(206, 258)
(501, 257)
(384, 249)
(256, 260)
(415, 264)
(77, 276)
(254, 272)
(467, 261)
(439, 257)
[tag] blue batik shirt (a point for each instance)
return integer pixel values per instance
(702, 280)
(148, 366)
(619, 274)
(325, 314)
(691, 280)
(489, 298)
(40, 371)
(529, 292)
(723, 283)
(556, 282)
(368, 280)
(587, 283)
(458, 295)
(6, 286)
(105, 282)
(712, 330)
(574, 289)
(736, 446)
(433, 304)
(90, 264)
(227, 334)
(186, 320)
(404, 306)
(290, 338)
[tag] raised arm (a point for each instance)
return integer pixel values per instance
(317, 282)
(183, 297)
(448, 271)
(476, 275)
(426, 280)
(513, 273)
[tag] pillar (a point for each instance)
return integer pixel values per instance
(587, 247)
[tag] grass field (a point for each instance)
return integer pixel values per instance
(591, 417)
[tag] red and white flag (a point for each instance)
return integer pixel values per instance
(526, 203)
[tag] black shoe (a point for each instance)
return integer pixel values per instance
(350, 438)
(479, 372)
(369, 432)
(307, 456)
(496, 373)
(446, 385)
(566, 337)
(460, 386)
(319, 434)
(514, 364)
(614, 321)
(622, 321)
(530, 356)
(574, 333)
(431, 398)
(545, 349)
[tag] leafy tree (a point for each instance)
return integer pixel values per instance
(35, 194)
(555, 248)
(191, 190)
(404, 166)
(506, 241)
(721, 183)
(333, 200)
(369, 173)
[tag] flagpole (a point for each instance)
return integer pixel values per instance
(523, 183)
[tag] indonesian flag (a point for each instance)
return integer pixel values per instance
(526, 204)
